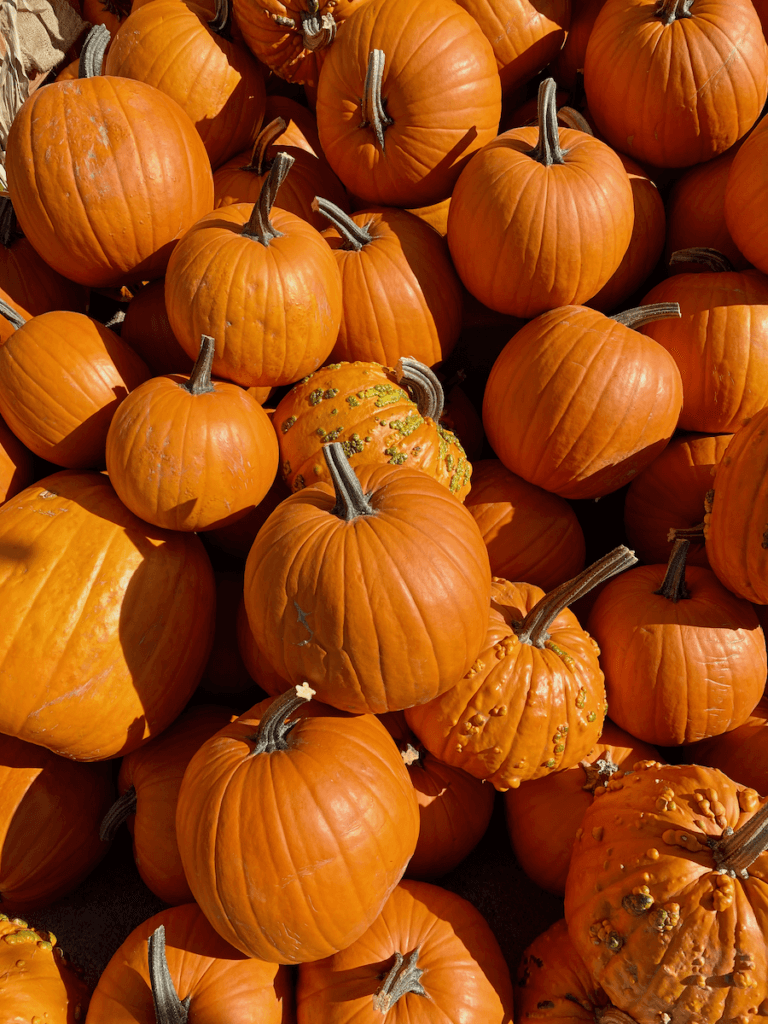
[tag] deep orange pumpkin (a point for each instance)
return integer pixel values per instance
(739, 753)
(17, 469)
(147, 331)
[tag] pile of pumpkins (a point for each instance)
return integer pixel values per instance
(250, 251)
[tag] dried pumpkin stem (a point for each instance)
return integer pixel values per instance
(374, 115)
(673, 586)
(92, 54)
(12, 315)
(533, 629)
(200, 382)
(120, 811)
(9, 227)
(423, 387)
(350, 500)
(268, 135)
(712, 259)
(355, 235)
(597, 773)
(573, 119)
(735, 851)
(547, 150)
(169, 1009)
(403, 977)
(410, 755)
(641, 315)
(687, 533)
(274, 727)
(222, 18)
(259, 227)
(318, 30)
(610, 1015)
(672, 10)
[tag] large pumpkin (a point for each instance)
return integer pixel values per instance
(745, 215)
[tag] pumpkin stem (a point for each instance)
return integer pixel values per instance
(119, 812)
(672, 10)
(712, 259)
(410, 755)
(423, 387)
(222, 19)
(274, 726)
(318, 30)
(355, 235)
(610, 1015)
(641, 315)
(259, 227)
(533, 629)
(573, 119)
(403, 977)
(169, 1009)
(673, 586)
(12, 315)
(92, 53)
(735, 851)
(9, 228)
(350, 500)
(598, 773)
(687, 532)
(200, 382)
(266, 137)
(374, 115)
(547, 150)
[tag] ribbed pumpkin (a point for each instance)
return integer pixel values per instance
(396, 526)
(431, 97)
(17, 469)
(98, 607)
(568, 63)
(745, 216)
(739, 753)
(295, 823)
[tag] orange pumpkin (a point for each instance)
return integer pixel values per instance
(146, 329)
(16, 464)
(739, 753)
(744, 214)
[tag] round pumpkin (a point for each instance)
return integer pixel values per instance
(739, 753)
(146, 329)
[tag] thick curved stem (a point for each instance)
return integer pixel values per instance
(423, 387)
(355, 235)
(672, 10)
(641, 315)
(573, 119)
(259, 227)
(169, 1009)
(200, 382)
(533, 629)
(547, 150)
(374, 115)
(318, 30)
(712, 259)
(350, 500)
(92, 53)
(11, 315)
(268, 135)
(403, 977)
(222, 18)
(735, 851)
(687, 533)
(119, 812)
(673, 587)
(274, 727)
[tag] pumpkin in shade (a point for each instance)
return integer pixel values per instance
(531, 535)
(38, 979)
(462, 419)
(541, 217)
(675, 83)
(568, 64)
(379, 414)
(146, 329)
(544, 814)
(120, 174)
(578, 403)
(431, 97)
(226, 676)
(668, 871)
(429, 956)
(534, 700)
(237, 538)
(98, 607)
(175, 964)
(301, 130)
(396, 526)
(148, 787)
(745, 216)
(295, 823)
(669, 495)
(62, 377)
(739, 753)
(17, 469)
(222, 280)
(253, 658)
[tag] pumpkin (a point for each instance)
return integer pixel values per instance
(666, 894)
(253, 658)
(413, 139)
(544, 814)
(225, 674)
(37, 976)
(454, 808)
(175, 963)
(120, 174)
(146, 329)
(173, 46)
(430, 955)
(294, 833)
(579, 403)
(462, 419)
(676, 83)
(237, 538)
(395, 525)
(541, 217)
(16, 464)
(738, 753)
(98, 607)
(669, 495)
(148, 787)
(62, 377)
(379, 414)
(744, 215)
(534, 701)
(531, 535)
(567, 67)
(435, 214)
(301, 124)
(222, 280)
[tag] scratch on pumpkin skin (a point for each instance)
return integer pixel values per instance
(302, 620)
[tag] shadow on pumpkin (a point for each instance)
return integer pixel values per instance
(83, 447)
